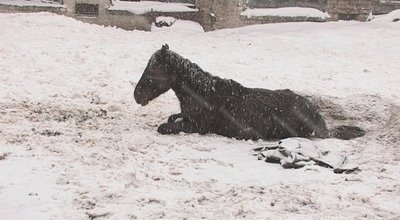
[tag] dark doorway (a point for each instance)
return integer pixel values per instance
(86, 9)
(347, 17)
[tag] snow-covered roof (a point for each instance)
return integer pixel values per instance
(41, 3)
(183, 26)
(148, 6)
(392, 16)
(285, 12)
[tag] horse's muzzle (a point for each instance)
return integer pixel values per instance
(141, 102)
(139, 97)
(144, 103)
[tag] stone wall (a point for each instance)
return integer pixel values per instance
(206, 11)
(119, 19)
(318, 4)
(70, 7)
(349, 9)
(129, 21)
(29, 9)
(383, 7)
(274, 19)
(175, 1)
(190, 16)
(219, 14)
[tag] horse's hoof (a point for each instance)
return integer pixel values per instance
(164, 129)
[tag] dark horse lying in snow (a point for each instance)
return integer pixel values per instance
(210, 104)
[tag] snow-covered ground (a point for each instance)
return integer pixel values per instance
(75, 145)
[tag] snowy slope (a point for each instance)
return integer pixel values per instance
(73, 143)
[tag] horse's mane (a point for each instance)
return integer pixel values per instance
(187, 68)
(199, 80)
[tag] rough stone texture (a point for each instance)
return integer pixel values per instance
(349, 9)
(130, 21)
(221, 14)
(226, 13)
(274, 19)
(384, 7)
(191, 16)
(28, 9)
(206, 11)
(70, 7)
(120, 19)
(175, 1)
(318, 4)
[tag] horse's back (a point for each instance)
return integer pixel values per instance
(271, 114)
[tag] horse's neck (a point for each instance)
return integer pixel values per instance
(190, 76)
(192, 83)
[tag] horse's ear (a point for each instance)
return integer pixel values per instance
(164, 48)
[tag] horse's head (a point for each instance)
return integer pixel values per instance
(157, 78)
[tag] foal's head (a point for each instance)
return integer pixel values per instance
(156, 79)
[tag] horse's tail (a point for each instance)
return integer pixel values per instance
(346, 132)
(321, 130)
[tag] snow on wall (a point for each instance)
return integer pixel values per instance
(285, 12)
(393, 16)
(31, 3)
(148, 6)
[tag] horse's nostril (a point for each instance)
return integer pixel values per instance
(144, 103)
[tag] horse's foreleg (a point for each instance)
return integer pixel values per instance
(175, 117)
(176, 127)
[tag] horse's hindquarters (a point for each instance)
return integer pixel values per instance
(265, 114)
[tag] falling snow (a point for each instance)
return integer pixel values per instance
(75, 145)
